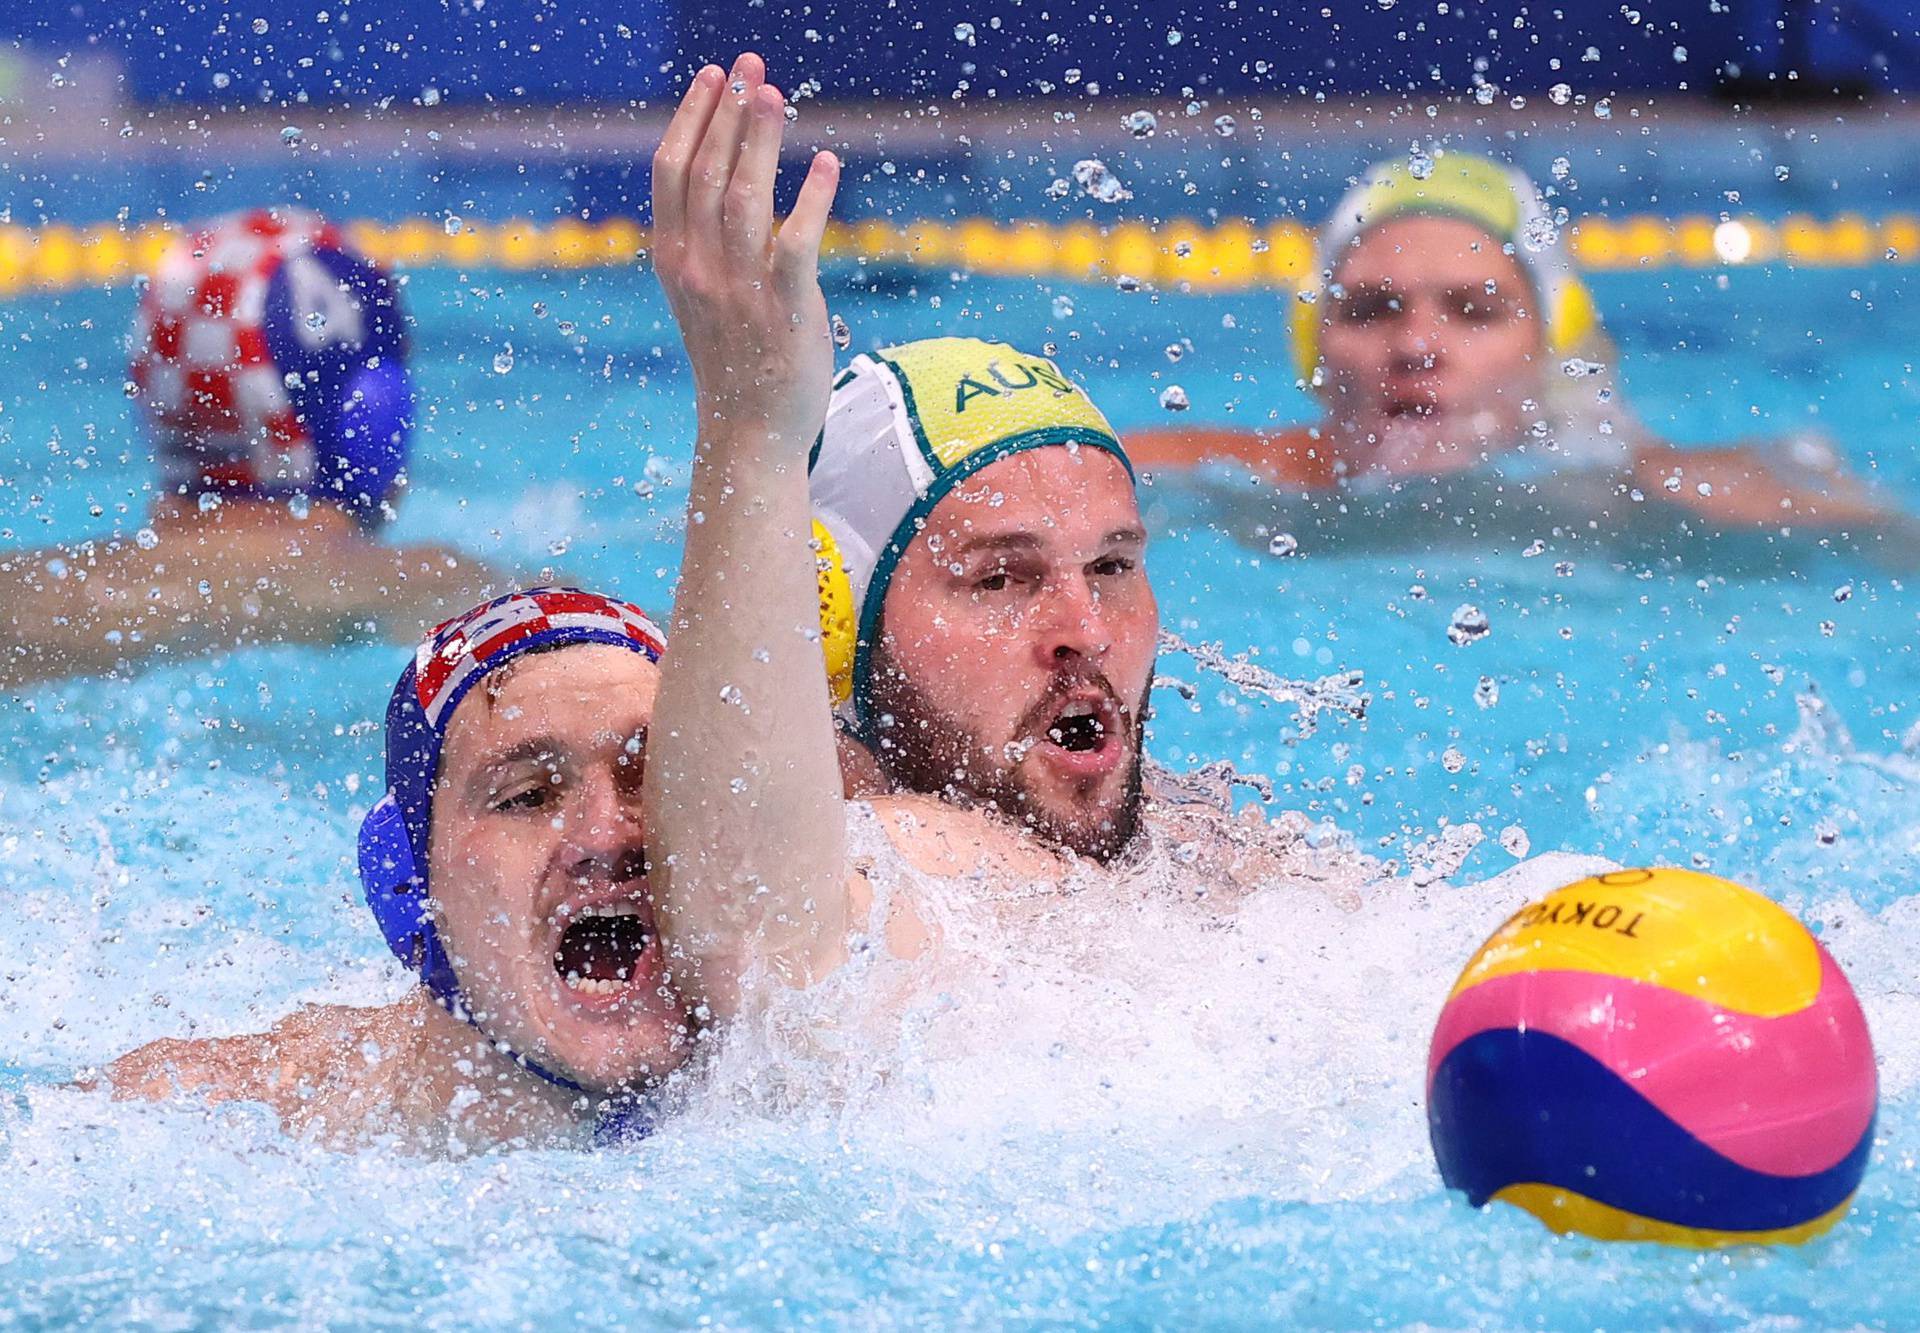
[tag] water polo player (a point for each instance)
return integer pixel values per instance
(965, 538)
(270, 366)
(1450, 337)
(506, 867)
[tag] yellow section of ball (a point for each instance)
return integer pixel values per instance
(1565, 1211)
(839, 624)
(1692, 933)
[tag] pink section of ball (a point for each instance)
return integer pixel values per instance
(1789, 1095)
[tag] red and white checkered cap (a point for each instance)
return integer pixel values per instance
(478, 641)
(219, 406)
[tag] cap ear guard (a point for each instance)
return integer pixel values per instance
(397, 896)
(839, 624)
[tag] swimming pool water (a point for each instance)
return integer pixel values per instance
(176, 853)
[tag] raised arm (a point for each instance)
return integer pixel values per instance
(742, 791)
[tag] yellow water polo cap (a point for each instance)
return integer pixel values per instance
(1500, 199)
(905, 426)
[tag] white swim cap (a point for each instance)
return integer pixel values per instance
(904, 427)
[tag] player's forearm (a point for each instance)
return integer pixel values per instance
(745, 806)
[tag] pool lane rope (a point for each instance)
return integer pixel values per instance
(1235, 254)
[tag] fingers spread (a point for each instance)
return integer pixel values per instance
(748, 205)
(674, 157)
(713, 163)
(796, 251)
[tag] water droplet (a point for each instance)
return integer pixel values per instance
(503, 360)
(1099, 183)
(1486, 692)
(1283, 544)
(1224, 126)
(1843, 593)
(1175, 36)
(1063, 307)
(146, 539)
(963, 32)
(1127, 283)
(643, 488)
(1469, 625)
(1059, 188)
(792, 113)
(1603, 109)
(129, 388)
(558, 546)
(1514, 841)
(315, 320)
(1539, 232)
(842, 335)
(1175, 351)
(1561, 168)
(1564, 569)
(1141, 124)
(1452, 760)
(452, 224)
(260, 27)
(1174, 398)
(1672, 484)
(1578, 368)
(1560, 94)
(291, 136)
(1419, 163)
(1781, 173)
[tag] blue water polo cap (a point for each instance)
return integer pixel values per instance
(270, 359)
(456, 656)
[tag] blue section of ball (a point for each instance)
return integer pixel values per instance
(1511, 1107)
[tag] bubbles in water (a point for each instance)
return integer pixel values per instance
(1560, 94)
(1099, 183)
(260, 27)
(1486, 692)
(842, 335)
(291, 136)
(503, 360)
(1603, 110)
(1175, 36)
(1515, 842)
(1141, 124)
(129, 388)
(1843, 593)
(1174, 398)
(1179, 349)
(1059, 188)
(1224, 126)
(1469, 624)
(1561, 168)
(1063, 306)
(1564, 569)
(1781, 173)
(1126, 282)
(1283, 544)
(1419, 163)
(963, 32)
(452, 225)
(146, 539)
(1577, 368)
(315, 320)
(1452, 760)
(1539, 233)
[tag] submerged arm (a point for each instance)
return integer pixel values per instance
(742, 794)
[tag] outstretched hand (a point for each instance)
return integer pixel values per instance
(745, 294)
